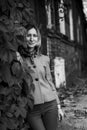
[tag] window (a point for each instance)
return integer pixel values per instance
(63, 17)
(60, 16)
(79, 30)
(71, 25)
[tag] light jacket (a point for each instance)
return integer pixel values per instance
(44, 88)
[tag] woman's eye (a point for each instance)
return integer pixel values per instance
(29, 35)
(32, 35)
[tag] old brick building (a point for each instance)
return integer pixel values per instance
(62, 24)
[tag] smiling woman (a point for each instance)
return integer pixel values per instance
(46, 107)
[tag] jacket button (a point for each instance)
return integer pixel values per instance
(34, 66)
(36, 79)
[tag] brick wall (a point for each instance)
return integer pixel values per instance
(55, 47)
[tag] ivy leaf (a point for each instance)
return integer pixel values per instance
(3, 123)
(20, 111)
(5, 91)
(16, 69)
(13, 108)
(26, 127)
(8, 114)
(16, 15)
(22, 101)
(11, 124)
(7, 50)
(6, 55)
(11, 3)
(3, 127)
(6, 75)
(26, 3)
(8, 123)
(3, 5)
(11, 56)
(23, 112)
(30, 100)
(3, 27)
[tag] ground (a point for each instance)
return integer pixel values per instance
(74, 105)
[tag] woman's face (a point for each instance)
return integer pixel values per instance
(32, 37)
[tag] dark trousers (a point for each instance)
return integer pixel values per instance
(44, 116)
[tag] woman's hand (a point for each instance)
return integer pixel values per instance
(19, 58)
(60, 113)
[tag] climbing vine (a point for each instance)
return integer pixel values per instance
(15, 83)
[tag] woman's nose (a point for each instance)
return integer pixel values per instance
(31, 37)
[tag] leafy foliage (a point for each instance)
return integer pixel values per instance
(16, 86)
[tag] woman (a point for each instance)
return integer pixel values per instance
(46, 108)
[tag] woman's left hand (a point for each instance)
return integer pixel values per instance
(60, 113)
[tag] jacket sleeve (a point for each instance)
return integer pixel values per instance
(49, 78)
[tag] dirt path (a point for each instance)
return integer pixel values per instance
(75, 110)
(74, 105)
